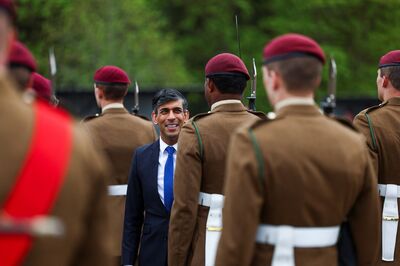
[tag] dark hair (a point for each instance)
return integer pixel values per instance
(168, 95)
(299, 73)
(393, 74)
(115, 91)
(230, 84)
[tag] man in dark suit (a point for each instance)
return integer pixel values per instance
(150, 187)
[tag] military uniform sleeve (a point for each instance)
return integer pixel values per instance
(95, 249)
(242, 196)
(133, 221)
(364, 218)
(187, 180)
(361, 123)
(154, 132)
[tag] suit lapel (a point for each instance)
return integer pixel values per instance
(153, 175)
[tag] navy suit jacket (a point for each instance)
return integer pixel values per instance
(146, 218)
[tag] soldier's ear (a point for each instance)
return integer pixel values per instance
(385, 81)
(276, 80)
(210, 85)
(99, 92)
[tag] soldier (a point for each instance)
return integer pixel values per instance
(379, 124)
(118, 134)
(21, 64)
(293, 180)
(199, 175)
(48, 168)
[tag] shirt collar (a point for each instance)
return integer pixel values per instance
(112, 106)
(164, 145)
(216, 104)
(294, 101)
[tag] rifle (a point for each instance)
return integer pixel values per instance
(53, 72)
(135, 109)
(346, 251)
(237, 35)
(329, 104)
(253, 89)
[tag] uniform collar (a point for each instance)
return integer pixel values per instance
(394, 101)
(294, 101)
(164, 145)
(219, 103)
(112, 106)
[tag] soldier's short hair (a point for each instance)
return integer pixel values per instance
(168, 95)
(393, 74)
(115, 91)
(299, 73)
(230, 84)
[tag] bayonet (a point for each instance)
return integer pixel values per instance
(253, 89)
(329, 105)
(135, 109)
(53, 72)
(237, 35)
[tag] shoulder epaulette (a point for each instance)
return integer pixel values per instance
(141, 116)
(263, 121)
(201, 115)
(257, 113)
(90, 117)
(370, 125)
(375, 107)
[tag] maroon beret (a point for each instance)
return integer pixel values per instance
(111, 74)
(9, 7)
(21, 56)
(292, 45)
(390, 59)
(226, 65)
(42, 86)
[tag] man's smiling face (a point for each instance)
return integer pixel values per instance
(170, 117)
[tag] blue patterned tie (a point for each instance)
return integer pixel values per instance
(169, 179)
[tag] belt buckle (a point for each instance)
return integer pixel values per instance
(214, 229)
(390, 218)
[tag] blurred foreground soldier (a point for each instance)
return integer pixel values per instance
(293, 180)
(380, 125)
(41, 87)
(148, 209)
(21, 65)
(47, 169)
(117, 133)
(195, 224)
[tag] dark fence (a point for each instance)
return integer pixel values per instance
(82, 103)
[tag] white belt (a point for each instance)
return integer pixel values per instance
(117, 190)
(390, 219)
(285, 238)
(214, 223)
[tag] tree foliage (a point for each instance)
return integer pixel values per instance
(167, 43)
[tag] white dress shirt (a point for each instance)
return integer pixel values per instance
(162, 160)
